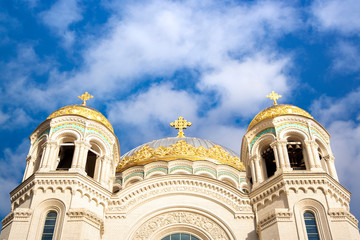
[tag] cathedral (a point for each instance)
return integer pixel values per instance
(77, 186)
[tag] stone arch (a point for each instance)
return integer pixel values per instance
(244, 187)
(194, 221)
(296, 151)
(62, 135)
(133, 180)
(263, 150)
(65, 148)
(320, 213)
(40, 213)
(37, 152)
(228, 180)
(99, 144)
(323, 150)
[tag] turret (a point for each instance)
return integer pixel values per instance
(68, 179)
(290, 167)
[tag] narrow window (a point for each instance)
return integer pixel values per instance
(269, 158)
(311, 227)
(66, 155)
(49, 226)
(91, 163)
(296, 156)
(180, 236)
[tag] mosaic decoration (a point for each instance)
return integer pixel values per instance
(93, 130)
(161, 169)
(298, 125)
(66, 125)
(141, 174)
(206, 170)
(278, 110)
(42, 134)
(180, 150)
(189, 169)
(269, 130)
(228, 174)
(82, 111)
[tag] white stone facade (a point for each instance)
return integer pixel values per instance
(208, 200)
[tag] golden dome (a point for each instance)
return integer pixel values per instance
(84, 111)
(167, 149)
(278, 110)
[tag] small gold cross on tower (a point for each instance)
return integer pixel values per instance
(86, 96)
(180, 124)
(274, 96)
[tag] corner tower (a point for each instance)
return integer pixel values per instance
(69, 175)
(295, 190)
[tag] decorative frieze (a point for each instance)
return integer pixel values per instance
(195, 220)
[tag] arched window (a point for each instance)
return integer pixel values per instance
(49, 226)
(269, 158)
(66, 154)
(296, 157)
(180, 236)
(311, 227)
(93, 155)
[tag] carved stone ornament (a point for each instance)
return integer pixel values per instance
(155, 224)
(278, 110)
(83, 111)
(180, 150)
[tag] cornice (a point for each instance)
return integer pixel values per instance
(60, 181)
(302, 179)
(136, 194)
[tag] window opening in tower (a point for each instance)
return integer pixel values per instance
(91, 163)
(66, 154)
(269, 158)
(296, 156)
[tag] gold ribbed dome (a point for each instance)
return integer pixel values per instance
(278, 110)
(84, 111)
(173, 148)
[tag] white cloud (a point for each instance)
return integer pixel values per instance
(148, 112)
(346, 57)
(13, 165)
(339, 15)
(159, 37)
(60, 17)
(243, 85)
(345, 137)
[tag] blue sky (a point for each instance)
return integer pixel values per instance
(147, 62)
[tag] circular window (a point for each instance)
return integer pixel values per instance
(180, 236)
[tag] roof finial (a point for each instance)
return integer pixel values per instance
(180, 124)
(274, 96)
(86, 96)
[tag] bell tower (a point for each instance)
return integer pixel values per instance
(295, 191)
(69, 175)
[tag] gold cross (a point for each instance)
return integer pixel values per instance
(274, 96)
(86, 96)
(180, 124)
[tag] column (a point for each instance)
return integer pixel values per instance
(283, 147)
(330, 161)
(29, 167)
(252, 170)
(75, 161)
(309, 154)
(47, 160)
(315, 152)
(256, 163)
(105, 168)
(83, 154)
(276, 154)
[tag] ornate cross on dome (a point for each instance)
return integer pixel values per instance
(86, 96)
(180, 124)
(274, 96)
